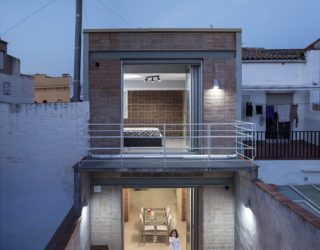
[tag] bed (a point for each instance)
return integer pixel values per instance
(142, 137)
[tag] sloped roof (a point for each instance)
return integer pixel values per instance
(272, 54)
(314, 46)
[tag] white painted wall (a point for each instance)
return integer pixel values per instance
(268, 74)
(22, 88)
(40, 143)
(277, 75)
(290, 172)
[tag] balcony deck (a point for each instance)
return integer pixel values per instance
(170, 147)
(168, 165)
(287, 146)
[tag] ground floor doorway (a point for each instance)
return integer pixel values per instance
(149, 214)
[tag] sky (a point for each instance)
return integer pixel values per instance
(41, 32)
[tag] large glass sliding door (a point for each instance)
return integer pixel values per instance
(194, 107)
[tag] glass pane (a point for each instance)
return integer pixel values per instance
(307, 207)
(290, 193)
(310, 192)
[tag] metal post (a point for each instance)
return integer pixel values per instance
(77, 53)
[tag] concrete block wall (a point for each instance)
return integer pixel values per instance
(106, 217)
(218, 218)
(40, 143)
(81, 238)
(272, 221)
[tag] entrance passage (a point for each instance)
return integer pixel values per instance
(151, 213)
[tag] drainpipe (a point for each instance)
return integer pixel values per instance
(77, 53)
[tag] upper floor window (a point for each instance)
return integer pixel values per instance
(315, 100)
(1, 60)
(6, 89)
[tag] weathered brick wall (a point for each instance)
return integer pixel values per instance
(156, 107)
(127, 41)
(218, 218)
(106, 214)
(39, 145)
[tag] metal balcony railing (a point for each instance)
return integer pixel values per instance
(287, 145)
(208, 141)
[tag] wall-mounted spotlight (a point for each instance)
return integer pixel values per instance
(152, 79)
(215, 84)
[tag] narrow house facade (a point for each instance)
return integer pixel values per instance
(164, 137)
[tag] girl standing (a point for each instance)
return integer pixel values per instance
(174, 240)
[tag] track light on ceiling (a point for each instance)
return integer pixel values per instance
(152, 79)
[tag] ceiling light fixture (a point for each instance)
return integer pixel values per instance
(152, 79)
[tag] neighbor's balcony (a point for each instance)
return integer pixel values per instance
(161, 144)
(287, 145)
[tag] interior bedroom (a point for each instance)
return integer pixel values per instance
(156, 101)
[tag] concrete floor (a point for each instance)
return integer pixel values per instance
(154, 197)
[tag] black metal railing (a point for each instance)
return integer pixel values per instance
(287, 145)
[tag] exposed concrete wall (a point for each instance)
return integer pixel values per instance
(218, 218)
(268, 224)
(106, 217)
(39, 145)
(290, 172)
(81, 238)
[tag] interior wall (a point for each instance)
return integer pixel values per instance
(155, 107)
(106, 217)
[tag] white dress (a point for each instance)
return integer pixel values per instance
(174, 243)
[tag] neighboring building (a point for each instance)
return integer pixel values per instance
(15, 87)
(279, 78)
(52, 89)
(281, 95)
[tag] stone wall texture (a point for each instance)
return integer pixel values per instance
(218, 218)
(106, 217)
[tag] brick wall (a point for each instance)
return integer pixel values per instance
(127, 41)
(105, 78)
(218, 218)
(156, 107)
(40, 143)
(106, 214)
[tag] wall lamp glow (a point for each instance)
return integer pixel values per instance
(84, 201)
(152, 78)
(216, 84)
(247, 204)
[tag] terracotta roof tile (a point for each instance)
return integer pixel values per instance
(272, 54)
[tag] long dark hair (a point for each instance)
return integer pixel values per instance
(174, 230)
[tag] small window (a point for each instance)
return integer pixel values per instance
(1, 60)
(59, 100)
(315, 100)
(6, 90)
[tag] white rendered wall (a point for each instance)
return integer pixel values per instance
(22, 88)
(274, 74)
(290, 172)
(40, 143)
